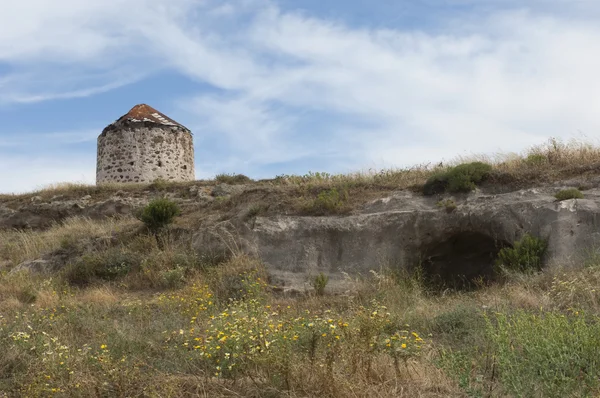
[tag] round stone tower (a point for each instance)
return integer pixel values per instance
(144, 145)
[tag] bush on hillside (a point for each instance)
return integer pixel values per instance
(462, 178)
(525, 255)
(460, 325)
(232, 179)
(319, 283)
(572, 193)
(159, 214)
(109, 265)
(330, 201)
(536, 160)
(448, 204)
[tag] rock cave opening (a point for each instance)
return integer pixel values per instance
(462, 262)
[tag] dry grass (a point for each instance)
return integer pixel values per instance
(133, 334)
(542, 163)
(146, 334)
(311, 194)
(17, 246)
(545, 163)
(69, 190)
(102, 295)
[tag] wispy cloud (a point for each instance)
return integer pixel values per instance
(507, 82)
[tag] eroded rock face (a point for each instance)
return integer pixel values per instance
(401, 230)
(405, 229)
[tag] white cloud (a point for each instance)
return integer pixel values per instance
(509, 82)
(290, 86)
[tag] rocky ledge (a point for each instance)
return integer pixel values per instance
(446, 235)
(458, 236)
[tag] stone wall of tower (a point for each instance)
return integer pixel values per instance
(144, 152)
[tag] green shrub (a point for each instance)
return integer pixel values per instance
(459, 326)
(462, 178)
(107, 265)
(536, 160)
(174, 278)
(330, 201)
(255, 211)
(27, 294)
(159, 213)
(237, 277)
(572, 193)
(232, 179)
(459, 365)
(436, 184)
(159, 184)
(319, 283)
(525, 255)
(547, 355)
(449, 205)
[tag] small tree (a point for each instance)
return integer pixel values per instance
(319, 283)
(159, 214)
(526, 255)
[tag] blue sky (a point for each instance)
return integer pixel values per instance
(289, 86)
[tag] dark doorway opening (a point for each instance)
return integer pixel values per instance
(464, 261)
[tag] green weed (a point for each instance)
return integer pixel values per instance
(572, 193)
(526, 255)
(319, 283)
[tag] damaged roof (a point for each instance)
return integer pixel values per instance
(145, 113)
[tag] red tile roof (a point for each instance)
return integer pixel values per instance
(145, 113)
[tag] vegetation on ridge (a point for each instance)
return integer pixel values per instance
(545, 163)
(461, 178)
(572, 193)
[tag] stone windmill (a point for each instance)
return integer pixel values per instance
(144, 145)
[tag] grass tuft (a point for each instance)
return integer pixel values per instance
(565, 194)
(232, 179)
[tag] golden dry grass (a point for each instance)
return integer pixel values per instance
(17, 246)
(547, 162)
(552, 160)
(102, 295)
(143, 355)
(121, 340)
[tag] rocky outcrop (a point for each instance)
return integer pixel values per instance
(39, 213)
(448, 236)
(407, 229)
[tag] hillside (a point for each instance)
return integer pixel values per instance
(426, 282)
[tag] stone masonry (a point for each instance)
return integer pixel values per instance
(144, 145)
